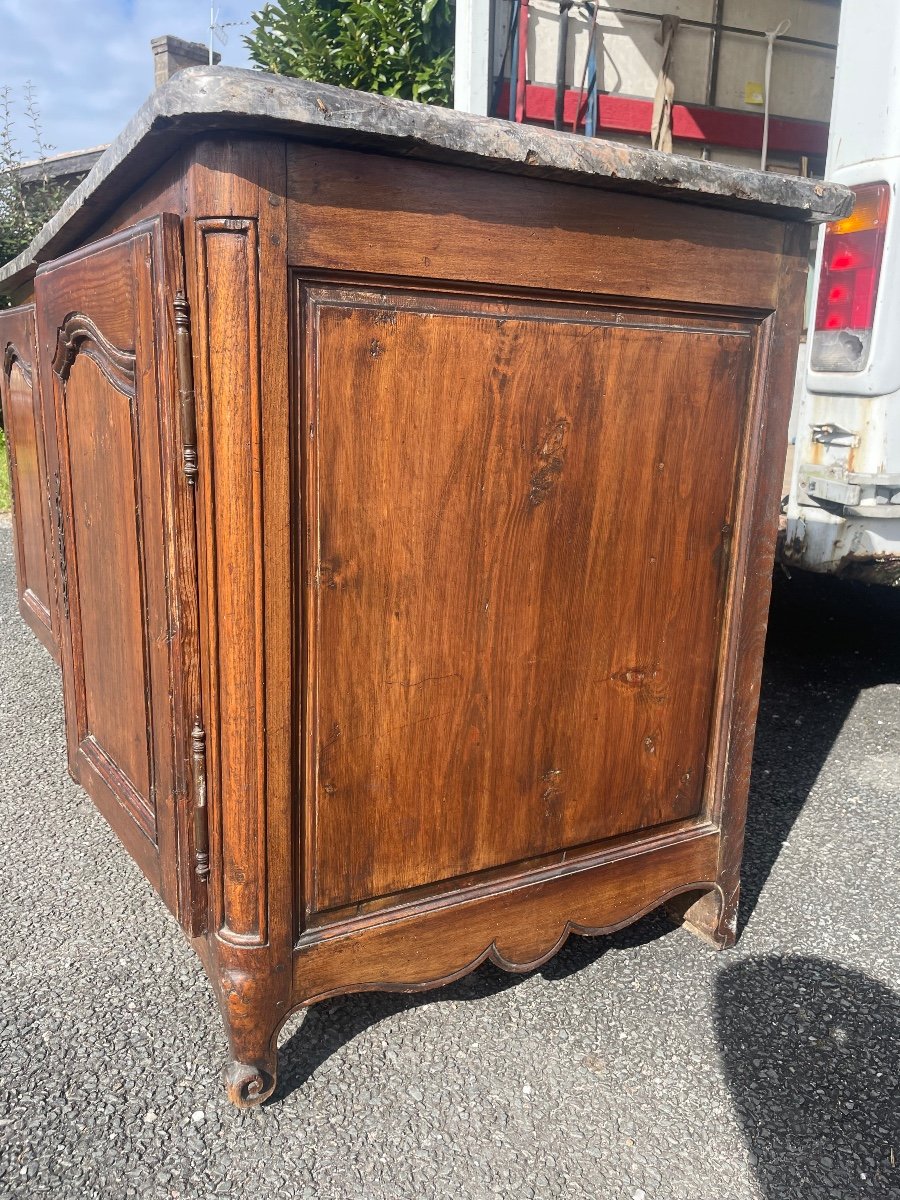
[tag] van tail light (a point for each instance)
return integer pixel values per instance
(848, 283)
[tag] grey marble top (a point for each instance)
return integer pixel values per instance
(201, 99)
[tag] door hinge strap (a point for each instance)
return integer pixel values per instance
(201, 813)
(61, 546)
(186, 387)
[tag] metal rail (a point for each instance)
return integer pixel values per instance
(717, 27)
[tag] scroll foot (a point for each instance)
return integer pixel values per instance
(248, 1084)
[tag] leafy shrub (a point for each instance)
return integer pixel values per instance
(24, 207)
(394, 47)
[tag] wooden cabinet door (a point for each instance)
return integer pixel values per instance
(519, 519)
(24, 425)
(127, 607)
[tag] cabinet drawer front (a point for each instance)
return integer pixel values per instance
(519, 517)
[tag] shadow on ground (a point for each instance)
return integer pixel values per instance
(811, 1052)
(828, 640)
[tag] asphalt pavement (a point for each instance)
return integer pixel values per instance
(642, 1066)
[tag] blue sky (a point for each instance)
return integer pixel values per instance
(90, 60)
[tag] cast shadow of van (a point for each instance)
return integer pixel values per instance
(828, 640)
(811, 1052)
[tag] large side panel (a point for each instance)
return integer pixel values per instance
(519, 521)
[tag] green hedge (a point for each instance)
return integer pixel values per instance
(394, 47)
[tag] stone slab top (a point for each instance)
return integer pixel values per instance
(205, 99)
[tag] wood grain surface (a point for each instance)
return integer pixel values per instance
(516, 604)
(359, 212)
(23, 420)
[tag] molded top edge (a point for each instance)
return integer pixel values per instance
(207, 99)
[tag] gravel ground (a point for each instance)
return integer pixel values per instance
(641, 1066)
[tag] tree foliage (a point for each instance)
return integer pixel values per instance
(394, 47)
(24, 207)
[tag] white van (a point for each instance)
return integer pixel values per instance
(843, 512)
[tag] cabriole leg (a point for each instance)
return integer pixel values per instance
(252, 1016)
(710, 916)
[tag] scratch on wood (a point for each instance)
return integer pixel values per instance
(551, 455)
(375, 732)
(333, 736)
(551, 792)
(409, 683)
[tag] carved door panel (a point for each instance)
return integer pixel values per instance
(24, 425)
(127, 590)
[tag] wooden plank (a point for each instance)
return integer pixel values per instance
(518, 929)
(748, 606)
(238, 290)
(428, 221)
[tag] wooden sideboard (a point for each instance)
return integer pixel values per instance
(409, 484)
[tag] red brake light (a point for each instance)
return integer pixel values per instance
(848, 283)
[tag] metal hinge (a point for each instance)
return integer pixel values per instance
(186, 387)
(61, 546)
(201, 817)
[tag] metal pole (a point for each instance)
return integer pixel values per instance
(514, 64)
(471, 82)
(561, 59)
(712, 83)
(770, 48)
